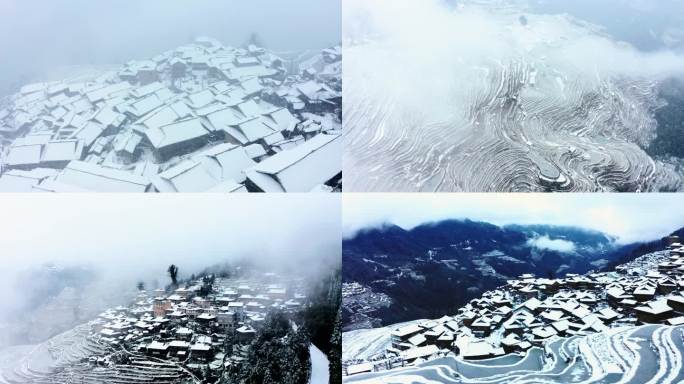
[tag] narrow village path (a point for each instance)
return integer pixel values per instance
(319, 366)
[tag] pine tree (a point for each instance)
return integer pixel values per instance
(173, 274)
(335, 353)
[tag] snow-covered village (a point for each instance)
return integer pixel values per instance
(199, 332)
(500, 288)
(202, 117)
(620, 325)
(209, 303)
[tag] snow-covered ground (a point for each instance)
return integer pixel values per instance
(364, 343)
(319, 366)
(646, 354)
(12, 357)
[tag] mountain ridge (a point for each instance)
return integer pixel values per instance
(435, 267)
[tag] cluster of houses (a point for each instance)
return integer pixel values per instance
(193, 330)
(531, 311)
(363, 303)
(201, 117)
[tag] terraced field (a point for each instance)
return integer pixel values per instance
(647, 354)
(72, 358)
(449, 117)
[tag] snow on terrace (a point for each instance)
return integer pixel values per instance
(153, 119)
(646, 354)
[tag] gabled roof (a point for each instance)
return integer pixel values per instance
(188, 176)
(302, 168)
(63, 150)
(230, 99)
(249, 108)
(655, 307)
(313, 90)
(280, 119)
(247, 60)
(102, 93)
(532, 304)
(510, 340)
(147, 89)
(89, 132)
(144, 106)
(608, 313)
(407, 330)
(59, 112)
(544, 332)
(96, 178)
(226, 162)
(127, 142)
(164, 115)
(24, 154)
(23, 181)
(245, 329)
(177, 132)
(201, 99)
(417, 340)
(157, 346)
(107, 117)
(480, 349)
(224, 118)
(420, 352)
(252, 86)
(254, 150)
(249, 131)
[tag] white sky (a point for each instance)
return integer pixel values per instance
(136, 234)
(630, 217)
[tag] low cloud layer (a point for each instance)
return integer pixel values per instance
(629, 217)
(558, 245)
(39, 36)
(407, 48)
(126, 238)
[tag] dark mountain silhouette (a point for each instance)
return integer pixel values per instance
(630, 252)
(435, 268)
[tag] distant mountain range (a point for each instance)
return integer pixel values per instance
(630, 252)
(433, 269)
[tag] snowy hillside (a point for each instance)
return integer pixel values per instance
(622, 326)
